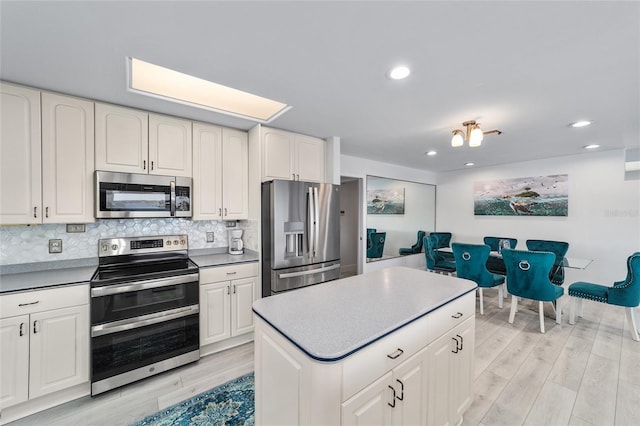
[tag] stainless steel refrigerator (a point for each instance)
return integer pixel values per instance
(300, 234)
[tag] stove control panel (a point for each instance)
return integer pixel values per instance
(132, 245)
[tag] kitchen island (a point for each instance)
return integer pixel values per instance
(394, 346)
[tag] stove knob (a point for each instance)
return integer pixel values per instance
(105, 247)
(175, 242)
(168, 242)
(114, 247)
(183, 242)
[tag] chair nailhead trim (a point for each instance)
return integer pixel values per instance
(587, 296)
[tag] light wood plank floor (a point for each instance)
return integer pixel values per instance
(586, 374)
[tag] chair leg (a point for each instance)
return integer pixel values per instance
(514, 308)
(481, 301)
(504, 290)
(633, 323)
(500, 296)
(580, 307)
(558, 313)
(541, 314)
(572, 313)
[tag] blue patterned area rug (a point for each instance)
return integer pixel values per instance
(229, 404)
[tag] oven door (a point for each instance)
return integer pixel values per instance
(119, 357)
(130, 300)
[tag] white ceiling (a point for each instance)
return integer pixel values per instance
(527, 68)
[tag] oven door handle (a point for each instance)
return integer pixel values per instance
(144, 285)
(142, 321)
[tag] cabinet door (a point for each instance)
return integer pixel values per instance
(122, 139)
(170, 148)
(207, 172)
(20, 156)
(67, 159)
(309, 159)
(59, 350)
(410, 381)
(462, 373)
(277, 155)
(215, 312)
(370, 406)
(242, 297)
(451, 374)
(14, 360)
(235, 174)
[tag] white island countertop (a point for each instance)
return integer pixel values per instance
(332, 320)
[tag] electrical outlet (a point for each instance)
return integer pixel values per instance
(55, 246)
(210, 237)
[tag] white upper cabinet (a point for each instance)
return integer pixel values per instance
(169, 146)
(134, 141)
(292, 156)
(67, 159)
(122, 139)
(220, 173)
(20, 156)
(47, 172)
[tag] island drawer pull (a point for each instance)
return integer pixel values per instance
(395, 354)
(30, 303)
(393, 399)
(456, 316)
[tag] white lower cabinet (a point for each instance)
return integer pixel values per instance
(397, 398)
(421, 374)
(45, 343)
(226, 296)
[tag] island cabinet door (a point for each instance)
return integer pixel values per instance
(410, 384)
(451, 374)
(371, 406)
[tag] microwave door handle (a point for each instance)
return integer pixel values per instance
(172, 201)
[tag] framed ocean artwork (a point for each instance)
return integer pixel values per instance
(385, 201)
(528, 196)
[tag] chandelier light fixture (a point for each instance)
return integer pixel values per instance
(473, 134)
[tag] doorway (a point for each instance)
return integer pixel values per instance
(350, 226)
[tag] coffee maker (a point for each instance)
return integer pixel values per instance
(235, 241)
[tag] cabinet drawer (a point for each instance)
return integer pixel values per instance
(378, 358)
(29, 302)
(225, 273)
(450, 315)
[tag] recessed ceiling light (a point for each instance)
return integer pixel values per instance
(581, 123)
(164, 83)
(399, 72)
(592, 146)
(431, 153)
(469, 164)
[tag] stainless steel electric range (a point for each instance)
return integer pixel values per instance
(144, 309)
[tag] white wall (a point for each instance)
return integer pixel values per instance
(603, 222)
(360, 168)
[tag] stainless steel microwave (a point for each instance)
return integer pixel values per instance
(130, 195)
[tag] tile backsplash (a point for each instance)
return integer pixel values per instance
(25, 244)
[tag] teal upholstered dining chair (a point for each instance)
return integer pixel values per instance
(435, 262)
(528, 278)
(416, 248)
(559, 248)
(471, 263)
(375, 244)
(444, 241)
(623, 293)
(495, 264)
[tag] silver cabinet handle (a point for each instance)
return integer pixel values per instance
(225, 211)
(309, 272)
(401, 397)
(456, 316)
(35, 210)
(21, 326)
(28, 304)
(228, 290)
(395, 354)
(392, 404)
(34, 326)
(144, 164)
(152, 165)
(46, 212)
(234, 289)
(220, 212)
(232, 273)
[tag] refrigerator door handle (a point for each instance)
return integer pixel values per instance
(311, 241)
(316, 220)
(309, 272)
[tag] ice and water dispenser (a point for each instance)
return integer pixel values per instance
(294, 237)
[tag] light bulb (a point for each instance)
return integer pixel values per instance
(475, 138)
(457, 139)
